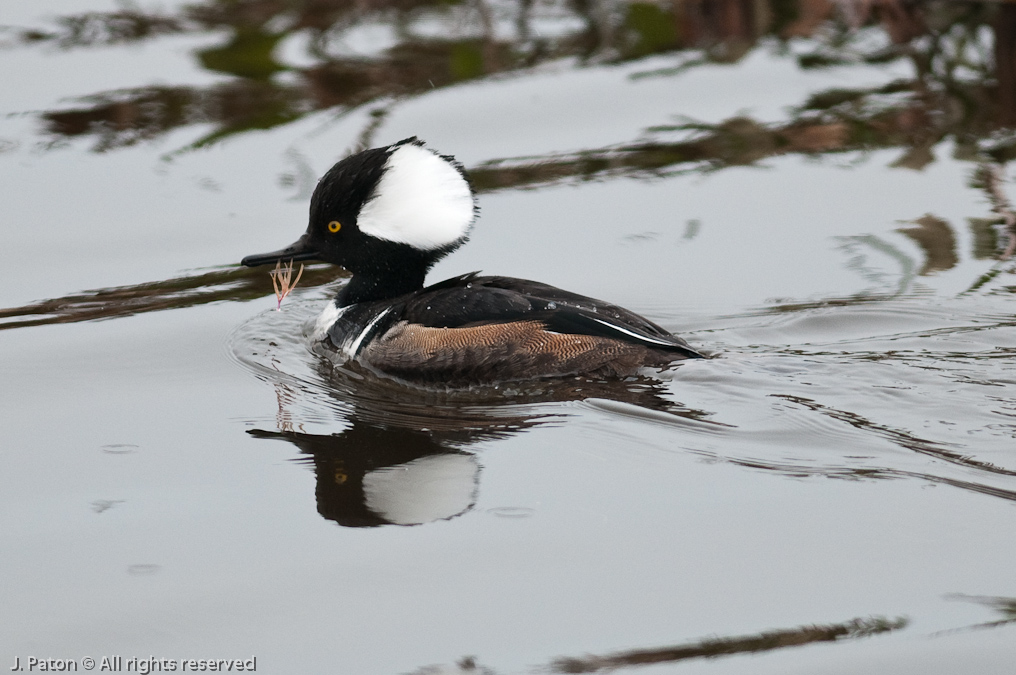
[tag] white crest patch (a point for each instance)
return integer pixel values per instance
(421, 200)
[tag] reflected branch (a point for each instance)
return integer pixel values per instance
(717, 647)
(93, 29)
(1004, 606)
(991, 178)
(738, 141)
(938, 242)
(226, 284)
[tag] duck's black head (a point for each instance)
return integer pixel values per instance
(386, 215)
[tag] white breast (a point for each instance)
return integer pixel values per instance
(324, 321)
(350, 341)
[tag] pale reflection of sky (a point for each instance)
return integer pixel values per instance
(765, 232)
(365, 40)
(53, 79)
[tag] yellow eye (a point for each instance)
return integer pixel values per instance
(334, 226)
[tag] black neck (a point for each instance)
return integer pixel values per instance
(384, 270)
(369, 287)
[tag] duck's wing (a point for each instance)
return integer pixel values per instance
(589, 316)
(471, 301)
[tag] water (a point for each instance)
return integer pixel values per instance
(185, 478)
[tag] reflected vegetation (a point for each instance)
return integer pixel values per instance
(1002, 605)
(960, 55)
(229, 283)
(961, 87)
(936, 239)
(933, 235)
(717, 647)
(709, 648)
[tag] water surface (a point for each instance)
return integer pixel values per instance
(797, 188)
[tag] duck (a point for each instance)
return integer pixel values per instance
(387, 215)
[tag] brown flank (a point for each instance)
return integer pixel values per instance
(503, 351)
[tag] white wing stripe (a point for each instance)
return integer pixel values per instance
(354, 346)
(635, 335)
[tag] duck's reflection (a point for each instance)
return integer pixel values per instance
(370, 475)
(404, 459)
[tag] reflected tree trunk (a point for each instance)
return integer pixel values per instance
(1005, 63)
(705, 23)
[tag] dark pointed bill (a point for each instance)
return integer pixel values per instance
(301, 249)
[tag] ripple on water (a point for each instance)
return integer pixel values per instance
(902, 388)
(514, 512)
(897, 390)
(120, 449)
(274, 345)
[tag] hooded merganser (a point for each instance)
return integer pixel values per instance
(387, 215)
